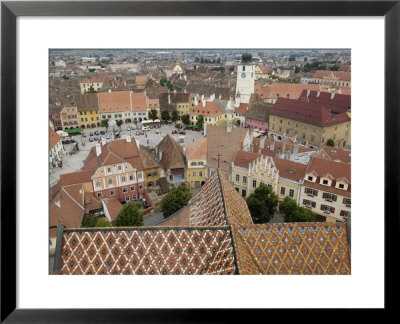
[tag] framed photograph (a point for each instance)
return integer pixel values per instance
(252, 48)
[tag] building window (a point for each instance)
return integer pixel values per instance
(139, 176)
(132, 188)
(310, 178)
(193, 163)
(347, 201)
(237, 189)
(109, 170)
(244, 180)
(325, 182)
(124, 190)
(99, 194)
(194, 174)
(140, 187)
(98, 185)
(237, 178)
(291, 193)
(244, 68)
(119, 168)
(134, 197)
(126, 198)
(282, 191)
(341, 185)
(110, 182)
(131, 178)
(112, 192)
(269, 185)
(243, 193)
(254, 183)
(200, 173)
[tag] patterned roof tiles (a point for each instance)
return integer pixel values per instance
(192, 250)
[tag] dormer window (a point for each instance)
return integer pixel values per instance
(341, 185)
(325, 182)
(310, 178)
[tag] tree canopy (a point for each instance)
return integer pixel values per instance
(130, 215)
(104, 123)
(174, 116)
(165, 115)
(175, 199)
(330, 142)
(153, 114)
(185, 119)
(262, 204)
(200, 121)
(119, 122)
(294, 213)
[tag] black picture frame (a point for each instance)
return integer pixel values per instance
(9, 13)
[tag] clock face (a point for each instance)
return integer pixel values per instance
(243, 75)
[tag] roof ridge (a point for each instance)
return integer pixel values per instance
(223, 197)
(238, 236)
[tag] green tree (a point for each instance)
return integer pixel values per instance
(178, 126)
(185, 119)
(174, 116)
(153, 114)
(296, 69)
(200, 121)
(330, 142)
(165, 115)
(175, 199)
(130, 215)
(292, 58)
(163, 81)
(294, 213)
(104, 123)
(119, 122)
(91, 90)
(262, 204)
(89, 220)
(103, 222)
(232, 68)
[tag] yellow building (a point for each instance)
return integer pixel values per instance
(208, 109)
(93, 83)
(151, 167)
(326, 190)
(196, 157)
(153, 104)
(88, 110)
(308, 122)
(250, 169)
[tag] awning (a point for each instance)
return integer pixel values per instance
(74, 130)
(62, 133)
(177, 171)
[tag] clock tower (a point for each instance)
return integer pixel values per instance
(245, 78)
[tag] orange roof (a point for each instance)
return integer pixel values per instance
(337, 170)
(138, 101)
(210, 110)
(198, 149)
(283, 90)
(54, 138)
(290, 170)
(242, 109)
(243, 159)
(332, 75)
(114, 207)
(334, 153)
(153, 103)
(117, 101)
(141, 80)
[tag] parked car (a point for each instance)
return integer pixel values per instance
(102, 132)
(182, 132)
(174, 131)
(91, 134)
(96, 139)
(146, 128)
(129, 128)
(84, 135)
(145, 204)
(96, 133)
(108, 136)
(90, 139)
(157, 131)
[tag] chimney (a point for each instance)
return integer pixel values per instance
(308, 92)
(128, 139)
(318, 93)
(205, 129)
(137, 142)
(272, 146)
(184, 90)
(284, 147)
(169, 98)
(57, 203)
(109, 90)
(229, 128)
(204, 104)
(195, 101)
(202, 97)
(262, 142)
(340, 91)
(220, 96)
(98, 149)
(295, 148)
(332, 95)
(159, 155)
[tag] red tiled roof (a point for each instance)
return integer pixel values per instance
(334, 154)
(114, 207)
(211, 109)
(197, 149)
(138, 101)
(289, 169)
(332, 75)
(335, 102)
(243, 159)
(116, 101)
(54, 138)
(307, 112)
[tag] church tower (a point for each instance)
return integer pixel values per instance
(245, 78)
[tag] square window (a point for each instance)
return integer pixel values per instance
(112, 192)
(124, 190)
(99, 194)
(325, 182)
(282, 191)
(310, 178)
(291, 193)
